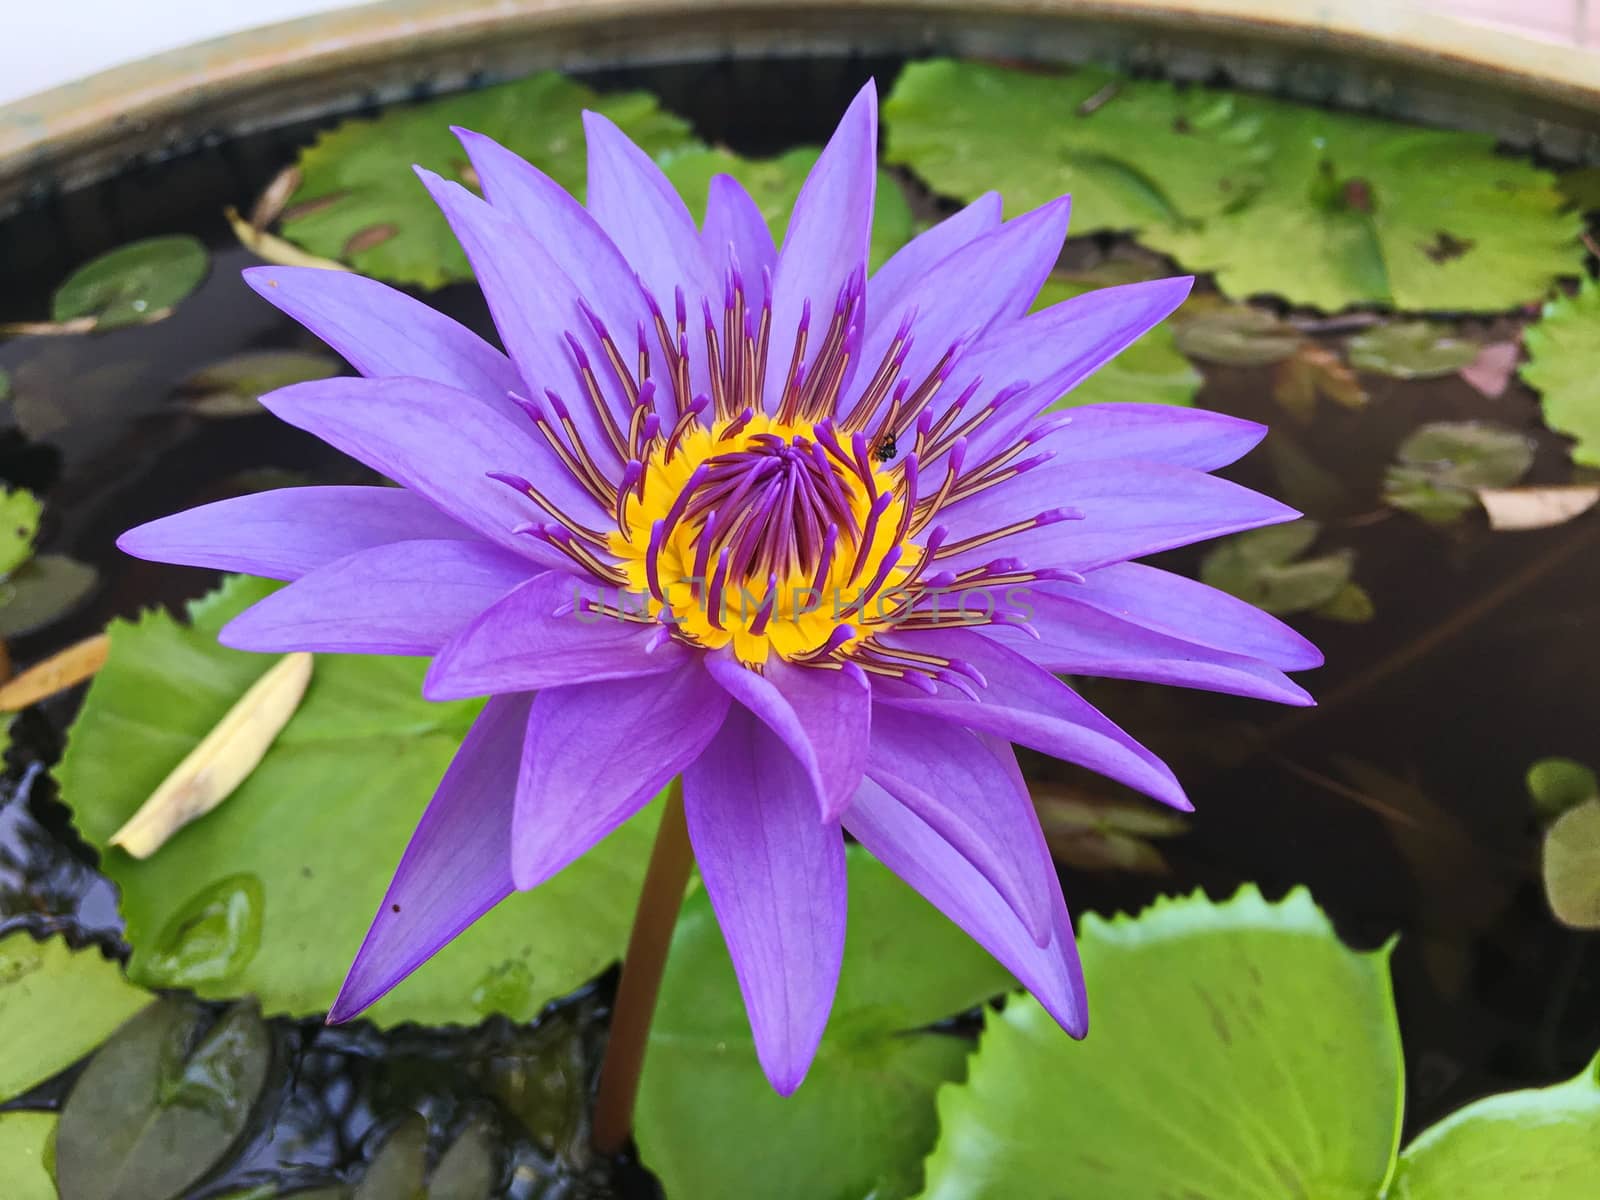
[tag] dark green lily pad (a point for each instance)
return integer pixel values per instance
(1557, 784)
(1442, 464)
(359, 202)
(467, 1169)
(864, 1117)
(133, 284)
(1238, 336)
(225, 906)
(56, 1005)
(774, 184)
(161, 1104)
(1581, 185)
(397, 1170)
(43, 590)
(234, 386)
(1151, 370)
(1237, 1050)
(1411, 350)
(5, 386)
(1563, 366)
(1267, 568)
(19, 522)
(27, 1154)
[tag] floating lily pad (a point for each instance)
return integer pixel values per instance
(19, 522)
(1439, 468)
(1557, 784)
(466, 1170)
(1236, 1049)
(774, 184)
(305, 848)
(56, 1005)
(1376, 212)
(234, 386)
(397, 1169)
(1564, 368)
(359, 202)
(161, 1103)
(41, 591)
(1571, 865)
(1266, 567)
(1238, 336)
(1539, 1144)
(27, 1145)
(133, 284)
(864, 1117)
(1411, 350)
(1151, 370)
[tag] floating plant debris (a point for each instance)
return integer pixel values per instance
(274, 249)
(1099, 833)
(132, 285)
(1314, 373)
(1440, 468)
(1537, 507)
(1236, 335)
(62, 670)
(1411, 350)
(234, 386)
(1564, 366)
(1376, 212)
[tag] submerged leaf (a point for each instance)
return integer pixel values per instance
(56, 1004)
(1350, 604)
(1311, 373)
(1564, 368)
(41, 591)
(1441, 466)
(234, 386)
(133, 284)
(1282, 1044)
(1096, 833)
(1557, 784)
(1571, 865)
(1150, 371)
(865, 1116)
(20, 510)
(315, 832)
(396, 1171)
(774, 184)
(357, 184)
(1238, 336)
(1265, 567)
(1411, 350)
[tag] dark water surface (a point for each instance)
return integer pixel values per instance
(1400, 801)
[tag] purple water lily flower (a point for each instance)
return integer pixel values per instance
(756, 518)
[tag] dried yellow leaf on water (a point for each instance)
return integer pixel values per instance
(273, 248)
(221, 762)
(77, 662)
(1537, 507)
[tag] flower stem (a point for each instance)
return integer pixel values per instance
(653, 921)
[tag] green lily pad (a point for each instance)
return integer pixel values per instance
(1376, 212)
(161, 1104)
(1350, 604)
(774, 184)
(1151, 370)
(359, 202)
(132, 284)
(234, 386)
(1266, 567)
(1539, 1144)
(41, 591)
(1564, 368)
(466, 1170)
(20, 510)
(1238, 336)
(272, 893)
(1571, 866)
(1411, 350)
(1236, 1050)
(1581, 186)
(1440, 466)
(1557, 784)
(398, 1168)
(56, 1005)
(864, 1117)
(27, 1152)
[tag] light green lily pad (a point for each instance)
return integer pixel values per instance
(1150, 371)
(1235, 1050)
(774, 184)
(1267, 568)
(1571, 866)
(711, 1127)
(1440, 466)
(359, 202)
(1539, 1144)
(20, 510)
(1564, 368)
(272, 893)
(1411, 350)
(27, 1150)
(1375, 212)
(1557, 784)
(132, 284)
(56, 1005)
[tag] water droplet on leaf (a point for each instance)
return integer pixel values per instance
(211, 938)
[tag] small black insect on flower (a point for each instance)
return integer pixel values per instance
(885, 449)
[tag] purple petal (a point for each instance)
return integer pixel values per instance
(535, 638)
(457, 865)
(733, 222)
(823, 717)
(403, 598)
(1025, 704)
(1180, 437)
(903, 273)
(642, 212)
(284, 534)
(775, 875)
(1130, 509)
(380, 331)
(434, 440)
(968, 788)
(1193, 611)
(1079, 639)
(596, 752)
(910, 848)
(829, 229)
